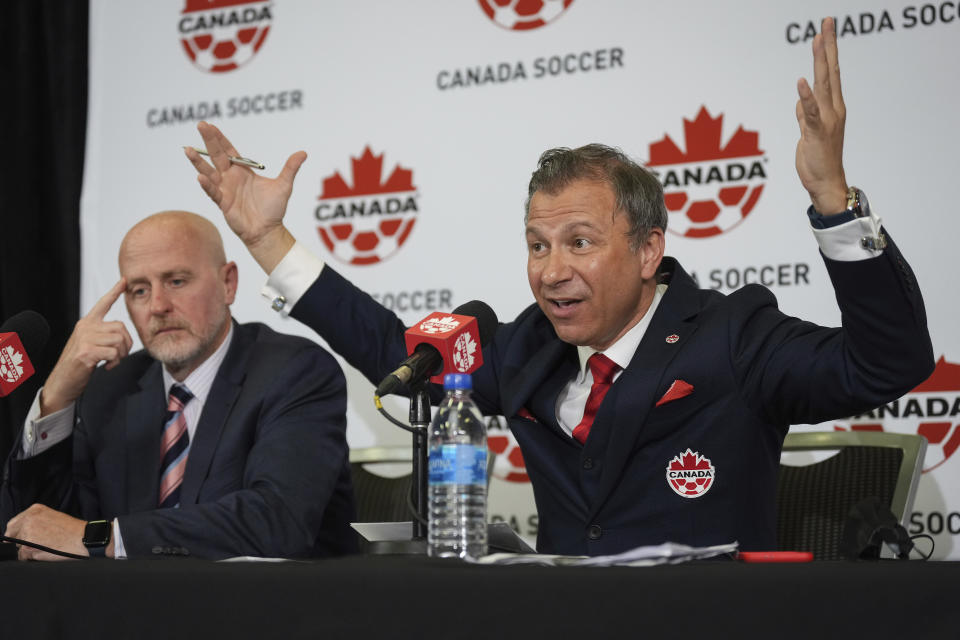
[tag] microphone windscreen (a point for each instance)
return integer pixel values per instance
(486, 318)
(31, 328)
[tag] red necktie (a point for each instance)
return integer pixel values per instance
(603, 370)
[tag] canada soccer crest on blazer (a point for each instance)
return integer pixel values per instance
(690, 475)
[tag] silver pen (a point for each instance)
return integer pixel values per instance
(247, 162)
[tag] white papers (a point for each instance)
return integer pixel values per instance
(647, 556)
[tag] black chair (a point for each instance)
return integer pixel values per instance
(381, 498)
(815, 500)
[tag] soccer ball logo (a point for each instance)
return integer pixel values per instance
(11, 362)
(222, 35)
(690, 475)
(929, 410)
(508, 464)
(711, 187)
(369, 221)
(520, 15)
(464, 348)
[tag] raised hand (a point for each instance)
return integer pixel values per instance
(822, 114)
(93, 341)
(253, 205)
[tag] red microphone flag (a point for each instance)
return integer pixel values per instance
(15, 366)
(456, 337)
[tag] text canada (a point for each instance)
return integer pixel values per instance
(204, 21)
(373, 207)
(931, 407)
(698, 473)
(706, 174)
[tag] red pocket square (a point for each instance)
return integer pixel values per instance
(523, 413)
(677, 390)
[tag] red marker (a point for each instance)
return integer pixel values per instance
(775, 556)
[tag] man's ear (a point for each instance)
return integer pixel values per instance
(651, 250)
(229, 276)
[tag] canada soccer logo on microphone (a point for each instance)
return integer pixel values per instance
(11, 364)
(711, 184)
(221, 35)
(368, 220)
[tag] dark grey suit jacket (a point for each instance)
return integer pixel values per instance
(267, 473)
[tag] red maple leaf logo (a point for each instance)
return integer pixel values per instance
(703, 139)
(945, 377)
(207, 5)
(367, 171)
(689, 461)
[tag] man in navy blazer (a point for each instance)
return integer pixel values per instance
(673, 432)
(265, 469)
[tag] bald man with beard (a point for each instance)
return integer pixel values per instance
(217, 439)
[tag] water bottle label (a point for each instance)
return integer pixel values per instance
(458, 464)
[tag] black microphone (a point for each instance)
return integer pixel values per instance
(24, 333)
(443, 343)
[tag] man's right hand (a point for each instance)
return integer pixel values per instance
(253, 205)
(93, 341)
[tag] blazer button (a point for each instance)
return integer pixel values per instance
(594, 532)
(588, 463)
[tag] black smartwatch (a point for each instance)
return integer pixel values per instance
(96, 537)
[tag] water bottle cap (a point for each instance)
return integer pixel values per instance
(457, 381)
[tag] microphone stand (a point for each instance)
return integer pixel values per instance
(420, 421)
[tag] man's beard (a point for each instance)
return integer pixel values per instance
(181, 350)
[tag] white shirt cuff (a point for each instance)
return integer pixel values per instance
(119, 552)
(39, 434)
(291, 278)
(842, 242)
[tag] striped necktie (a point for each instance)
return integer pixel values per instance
(174, 446)
(603, 370)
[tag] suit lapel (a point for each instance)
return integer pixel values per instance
(223, 395)
(538, 381)
(633, 394)
(144, 423)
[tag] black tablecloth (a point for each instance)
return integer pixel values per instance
(383, 597)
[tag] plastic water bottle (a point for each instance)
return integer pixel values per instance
(458, 475)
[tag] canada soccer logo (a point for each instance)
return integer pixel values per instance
(690, 475)
(710, 187)
(446, 324)
(221, 35)
(521, 15)
(508, 465)
(463, 350)
(11, 364)
(931, 410)
(369, 221)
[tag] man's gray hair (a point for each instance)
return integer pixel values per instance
(637, 191)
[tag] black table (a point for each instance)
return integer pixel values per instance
(394, 596)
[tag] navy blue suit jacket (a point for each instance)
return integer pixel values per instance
(754, 371)
(267, 473)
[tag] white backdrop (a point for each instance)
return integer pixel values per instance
(464, 105)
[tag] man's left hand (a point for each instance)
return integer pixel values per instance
(822, 114)
(51, 528)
